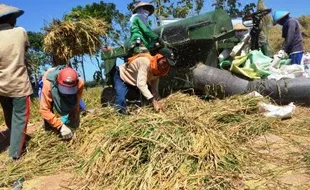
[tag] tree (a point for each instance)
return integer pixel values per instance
(175, 9)
(36, 57)
(118, 21)
(234, 7)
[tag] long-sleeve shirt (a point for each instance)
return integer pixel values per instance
(46, 103)
(292, 35)
(138, 73)
(140, 30)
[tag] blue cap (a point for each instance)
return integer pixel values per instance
(9, 10)
(278, 15)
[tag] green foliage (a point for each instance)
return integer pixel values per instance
(175, 9)
(92, 84)
(36, 40)
(36, 57)
(234, 7)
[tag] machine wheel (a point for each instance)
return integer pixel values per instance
(107, 96)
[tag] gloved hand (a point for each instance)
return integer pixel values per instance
(65, 132)
(281, 54)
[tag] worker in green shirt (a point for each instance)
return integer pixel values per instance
(141, 36)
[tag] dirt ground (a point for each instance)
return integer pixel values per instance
(282, 160)
(52, 182)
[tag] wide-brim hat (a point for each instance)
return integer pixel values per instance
(240, 26)
(6, 10)
(147, 6)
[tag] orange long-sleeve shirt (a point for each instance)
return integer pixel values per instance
(46, 106)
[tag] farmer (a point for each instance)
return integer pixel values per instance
(140, 71)
(240, 31)
(242, 48)
(62, 90)
(291, 33)
(243, 34)
(81, 103)
(40, 86)
(56, 61)
(15, 86)
(141, 35)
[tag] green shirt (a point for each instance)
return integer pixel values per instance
(140, 30)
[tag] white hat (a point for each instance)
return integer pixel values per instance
(9, 10)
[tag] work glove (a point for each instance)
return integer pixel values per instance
(281, 54)
(65, 132)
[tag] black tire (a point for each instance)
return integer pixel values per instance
(107, 96)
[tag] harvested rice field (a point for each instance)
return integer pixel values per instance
(193, 144)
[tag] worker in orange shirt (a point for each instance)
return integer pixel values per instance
(62, 90)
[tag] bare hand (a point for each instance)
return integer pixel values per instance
(158, 105)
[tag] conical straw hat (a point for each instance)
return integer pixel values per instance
(9, 10)
(240, 26)
(147, 6)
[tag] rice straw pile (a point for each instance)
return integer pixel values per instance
(184, 147)
(68, 38)
(193, 144)
(190, 145)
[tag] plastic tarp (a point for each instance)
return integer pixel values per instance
(255, 65)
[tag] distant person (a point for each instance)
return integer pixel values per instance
(40, 86)
(291, 32)
(242, 48)
(243, 34)
(62, 91)
(140, 71)
(15, 86)
(240, 31)
(141, 35)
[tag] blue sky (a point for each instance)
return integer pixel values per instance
(40, 12)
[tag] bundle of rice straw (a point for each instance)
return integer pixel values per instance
(68, 38)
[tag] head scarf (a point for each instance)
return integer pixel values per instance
(143, 14)
(154, 66)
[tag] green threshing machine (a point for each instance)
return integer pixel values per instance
(193, 40)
